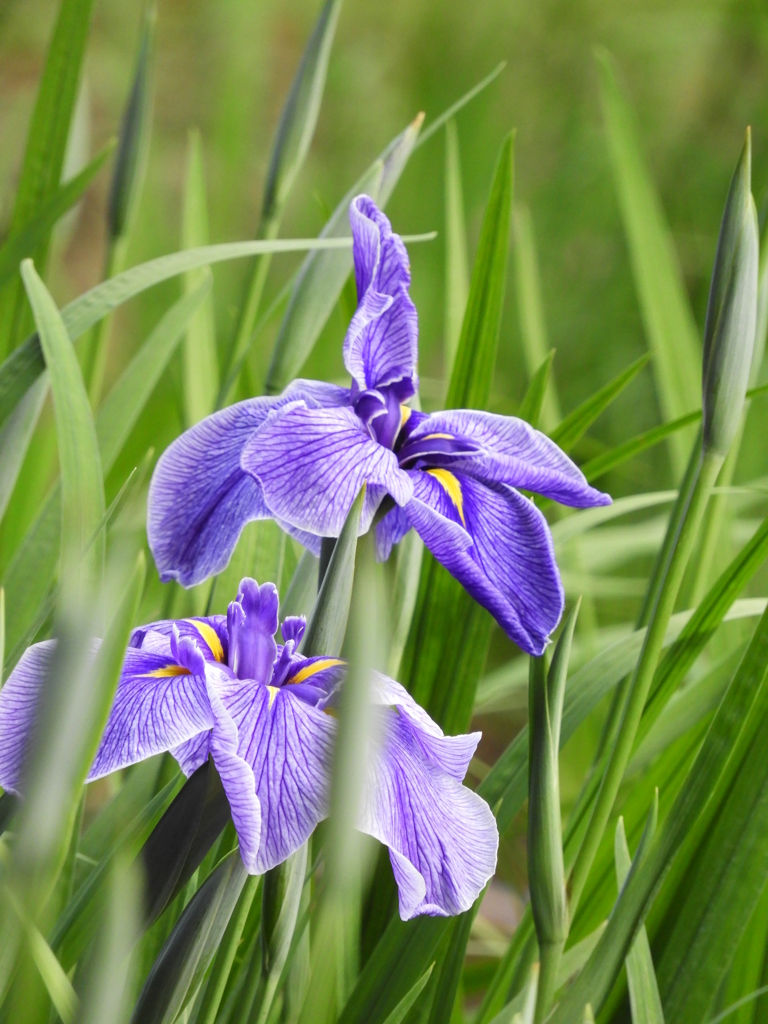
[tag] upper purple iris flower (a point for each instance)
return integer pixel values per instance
(302, 457)
(221, 687)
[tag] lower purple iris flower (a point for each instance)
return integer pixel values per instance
(221, 687)
(302, 457)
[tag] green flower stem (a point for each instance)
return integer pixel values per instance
(709, 467)
(549, 966)
(226, 956)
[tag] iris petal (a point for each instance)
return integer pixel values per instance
(511, 452)
(381, 346)
(200, 498)
(289, 747)
(311, 463)
(498, 546)
(442, 837)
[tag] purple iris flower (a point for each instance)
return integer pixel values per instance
(302, 457)
(221, 687)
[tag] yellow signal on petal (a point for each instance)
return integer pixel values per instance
(405, 415)
(211, 637)
(431, 437)
(452, 488)
(307, 671)
(272, 695)
(168, 670)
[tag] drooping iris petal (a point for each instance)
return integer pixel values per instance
(289, 746)
(311, 464)
(158, 705)
(512, 452)
(381, 345)
(18, 705)
(200, 498)
(498, 546)
(442, 837)
(450, 754)
(235, 772)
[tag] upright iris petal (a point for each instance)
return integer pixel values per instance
(225, 689)
(455, 477)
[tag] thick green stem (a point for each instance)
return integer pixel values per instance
(549, 966)
(637, 694)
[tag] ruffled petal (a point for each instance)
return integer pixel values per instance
(311, 463)
(289, 746)
(18, 707)
(381, 345)
(158, 706)
(200, 498)
(498, 546)
(442, 837)
(513, 453)
(450, 754)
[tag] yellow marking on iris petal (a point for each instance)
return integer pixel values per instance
(405, 415)
(169, 670)
(431, 437)
(452, 488)
(211, 637)
(272, 694)
(312, 669)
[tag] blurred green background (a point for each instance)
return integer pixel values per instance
(695, 72)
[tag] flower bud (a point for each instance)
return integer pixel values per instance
(729, 333)
(134, 136)
(546, 874)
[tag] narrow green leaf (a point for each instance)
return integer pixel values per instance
(644, 998)
(299, 116)
(283, 887)
(450, 969)
(20, 370)
(669, 323)
(289, 150)
(201, 371)
(107, 985)
(192, 944)
(322, 275)
(533, 401)
(56, 982)
(78, 921)
(182, 837)
(470, 385)
(739, 718)
(15, 436)
(575, 425)
(82, 489)
(135, 128)
(402, 1008)
(622, 453)
(27, 239)
(530, 308)
(124, 403)
(327, 626)
(46, 145)
(30, 573)
(456, 259)
(452, 111)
